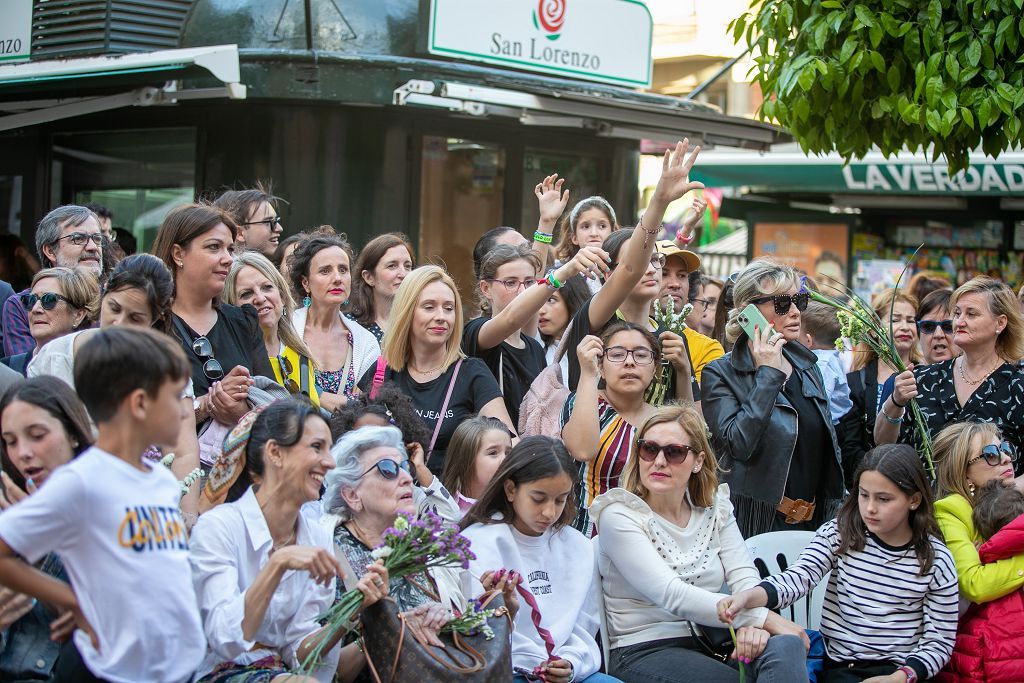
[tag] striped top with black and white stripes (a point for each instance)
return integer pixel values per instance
(877, 607)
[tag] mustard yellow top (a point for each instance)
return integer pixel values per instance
(978, 582)
(293, 363)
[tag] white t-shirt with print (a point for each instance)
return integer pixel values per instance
(120, 534)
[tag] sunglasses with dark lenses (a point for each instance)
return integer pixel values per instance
(212, 368)
(674, 453)
(286, 369)
(784, 301)
(993, 455)
(48, 300)
(929, 326)
(388, 468)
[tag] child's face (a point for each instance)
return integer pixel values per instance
(885, 509)
(494, 446)
(165, 413)
(538, 504)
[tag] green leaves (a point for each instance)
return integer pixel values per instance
(943, 77)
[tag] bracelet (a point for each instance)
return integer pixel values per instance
(892, 420)
(909, 672)
(648, 234)
(892, 397)
(550, 281)
(684, 240)
(543, 237)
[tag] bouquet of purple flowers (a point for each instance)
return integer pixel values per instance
(411, 546)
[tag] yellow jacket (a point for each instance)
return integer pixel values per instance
(294, 363)
(978, 582)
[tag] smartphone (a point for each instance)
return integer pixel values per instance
(751, 317)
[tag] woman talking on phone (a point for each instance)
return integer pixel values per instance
(767, 409)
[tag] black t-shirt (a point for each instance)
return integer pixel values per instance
(813, 443)
(662, 389)
(515, 369)
(474, 388)
(236, 339)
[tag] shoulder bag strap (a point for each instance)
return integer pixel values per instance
(444, 407)
(303, 375)
(378, 376)
(186, 338)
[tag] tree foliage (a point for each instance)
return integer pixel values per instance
(939, 76)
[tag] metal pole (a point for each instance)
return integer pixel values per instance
(715, 76)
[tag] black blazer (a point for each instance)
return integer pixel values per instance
(857, 427)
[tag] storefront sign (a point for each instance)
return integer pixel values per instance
(15, 30)
(921, 179)
(598, 40)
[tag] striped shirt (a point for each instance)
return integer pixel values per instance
(602, 473)
(876, 605)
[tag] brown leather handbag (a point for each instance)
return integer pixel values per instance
(395, 655)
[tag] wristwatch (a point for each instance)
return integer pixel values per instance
(910, 673)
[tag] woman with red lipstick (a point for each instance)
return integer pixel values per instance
(768, 413)
(223, 343)
(320, 269)
(423, 357)
(869, 375)
(668, 544)
(985, 384)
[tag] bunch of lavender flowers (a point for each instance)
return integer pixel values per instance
(666, 317)
(410, 546)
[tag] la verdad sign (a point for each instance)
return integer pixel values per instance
(598, 40)
(977, 179)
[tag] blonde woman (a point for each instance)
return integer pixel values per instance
(422, 356)
(254, 280)
(768, 411)
(985, 384)
(668, 542)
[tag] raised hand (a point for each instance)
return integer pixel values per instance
(552, 198)
(694, 215)
(675, 173)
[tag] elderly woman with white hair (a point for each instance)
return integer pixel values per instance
(767, 410)
(367, 489)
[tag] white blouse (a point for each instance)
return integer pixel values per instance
(230, 544)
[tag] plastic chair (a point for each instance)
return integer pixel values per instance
(598, 589)
(772, 553)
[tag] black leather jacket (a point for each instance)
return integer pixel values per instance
(754, 427)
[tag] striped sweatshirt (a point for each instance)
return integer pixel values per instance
(877, 608)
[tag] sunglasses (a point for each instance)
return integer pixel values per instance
(48, 301)
(388, 468)
(286, 369)
(618, 354)
(993, 455)
(212, 368)
(674, 453)
(784, 301)
(929, 326)
(269, 222)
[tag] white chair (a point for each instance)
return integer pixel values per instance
(598, 588)
(772, 553)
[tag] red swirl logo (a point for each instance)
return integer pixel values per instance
(550, 16)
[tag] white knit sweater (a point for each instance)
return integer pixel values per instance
(656, 576)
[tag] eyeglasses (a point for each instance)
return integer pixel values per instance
(674, 453)
(784, 301)
(929, 326)
(48, 300)
(286, 369)
(388, 468)
(704, 303)
(618, 354)
(993, 455)
(269, 222)
(658, 260)
(513, 285)
(80, 238)
(212, 368)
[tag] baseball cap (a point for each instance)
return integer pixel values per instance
(670, 248)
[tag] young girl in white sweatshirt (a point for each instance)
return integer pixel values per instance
(520, 523)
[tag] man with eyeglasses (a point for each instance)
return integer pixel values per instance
(254, 212)
(68, 236)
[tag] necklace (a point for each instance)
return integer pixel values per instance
(287, 542)
(439, 368)
(973, 382)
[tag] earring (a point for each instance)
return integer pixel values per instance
(306, 301)
(696, 470)
(971, 487)
(179, 264)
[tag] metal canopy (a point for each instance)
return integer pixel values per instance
(162, 71)
(606, 116)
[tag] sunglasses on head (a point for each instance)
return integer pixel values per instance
(212, 368)
(674, 453)
(993, 454)
(48, 300)
(388, 468)
(929, 326)
(784, 301)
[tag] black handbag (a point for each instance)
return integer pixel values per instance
(713, 641)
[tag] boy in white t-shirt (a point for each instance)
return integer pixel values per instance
(113, 519)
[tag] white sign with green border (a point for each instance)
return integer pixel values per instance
(15, 30)
(598, 40)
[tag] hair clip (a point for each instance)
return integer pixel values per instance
(387, 411)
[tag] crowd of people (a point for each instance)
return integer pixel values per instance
(205, 446)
